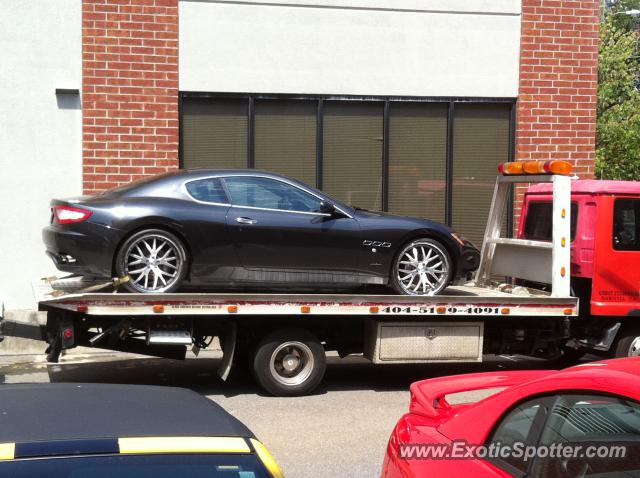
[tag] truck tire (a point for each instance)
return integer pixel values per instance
(628, 344)
(289, 363)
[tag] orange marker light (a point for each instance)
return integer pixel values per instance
(563, 213)
(374, 309)
(232, 309)
(505, 311)
(563, 241)
(158, 308)
(558, 167)
(563, 271)
(305, 309)
(509, 169)
(441, 309)
(534, 167)
(568, 311)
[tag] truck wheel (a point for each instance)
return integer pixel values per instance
(629, 344)
(289, 363)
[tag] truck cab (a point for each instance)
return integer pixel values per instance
(605, 259)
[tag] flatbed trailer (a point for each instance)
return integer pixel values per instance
(283, 337)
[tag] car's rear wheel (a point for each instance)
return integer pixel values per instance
(289, 363)
(155, 261)
(423, 267)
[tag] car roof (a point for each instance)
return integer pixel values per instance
(591, 186)
(68, 411)
(203, 173)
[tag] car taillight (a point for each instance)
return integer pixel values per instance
(68, 214)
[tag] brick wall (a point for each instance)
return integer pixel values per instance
(558, 80)
(129, 90)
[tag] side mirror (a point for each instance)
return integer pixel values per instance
(327, 208)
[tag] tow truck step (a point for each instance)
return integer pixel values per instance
(170, 337)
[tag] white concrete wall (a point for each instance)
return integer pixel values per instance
(360, 47)
(40, 134)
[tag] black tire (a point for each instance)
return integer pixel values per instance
(177, 267)
(628, 344)
(284, 346)
(440, 250)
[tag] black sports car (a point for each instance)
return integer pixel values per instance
(224, 227)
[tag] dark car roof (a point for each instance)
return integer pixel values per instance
(67, 411)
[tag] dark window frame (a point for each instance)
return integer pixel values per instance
(636, 208)
(387, 101)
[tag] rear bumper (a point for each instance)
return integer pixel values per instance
(85, 249)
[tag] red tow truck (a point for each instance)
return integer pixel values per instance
(605, 260)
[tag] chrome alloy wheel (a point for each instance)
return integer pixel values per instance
(634, 349)
(422, 268)
(291, 363)
(153, 263)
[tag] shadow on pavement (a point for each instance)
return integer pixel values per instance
(353, 373)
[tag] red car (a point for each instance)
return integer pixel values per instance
(581, 422)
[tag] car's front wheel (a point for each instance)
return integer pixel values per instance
(423, 267)
(155, 261)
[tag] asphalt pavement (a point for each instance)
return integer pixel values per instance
(340, 431)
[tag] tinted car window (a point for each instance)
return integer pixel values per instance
(592, 420)
(520, 425)
(539, 222)
(137, 466)
(270, 194)
(207, 190)
(626, 224)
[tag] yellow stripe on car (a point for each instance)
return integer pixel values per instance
(7, 451)
(183, 445)
(267, 460)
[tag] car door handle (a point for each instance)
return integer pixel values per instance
(246, 220)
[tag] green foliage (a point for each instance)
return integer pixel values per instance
(618, 117)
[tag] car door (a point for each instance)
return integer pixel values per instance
(277, 226)
(204, 223)
(616, 279)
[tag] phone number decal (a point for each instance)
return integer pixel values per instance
(442, 310)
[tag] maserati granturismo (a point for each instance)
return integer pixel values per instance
(214, 228)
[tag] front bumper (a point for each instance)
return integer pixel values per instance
(85, 249)
(469, 259)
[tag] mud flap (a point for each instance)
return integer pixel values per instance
(228, 345)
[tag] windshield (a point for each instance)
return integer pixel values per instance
(137, 466)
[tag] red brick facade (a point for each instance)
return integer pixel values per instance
(130, 86)
(558, 82)
(129, 90)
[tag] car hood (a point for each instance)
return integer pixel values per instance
(408, 222)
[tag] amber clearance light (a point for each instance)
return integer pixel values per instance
(534, 167)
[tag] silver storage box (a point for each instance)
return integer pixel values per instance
(423, 342)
